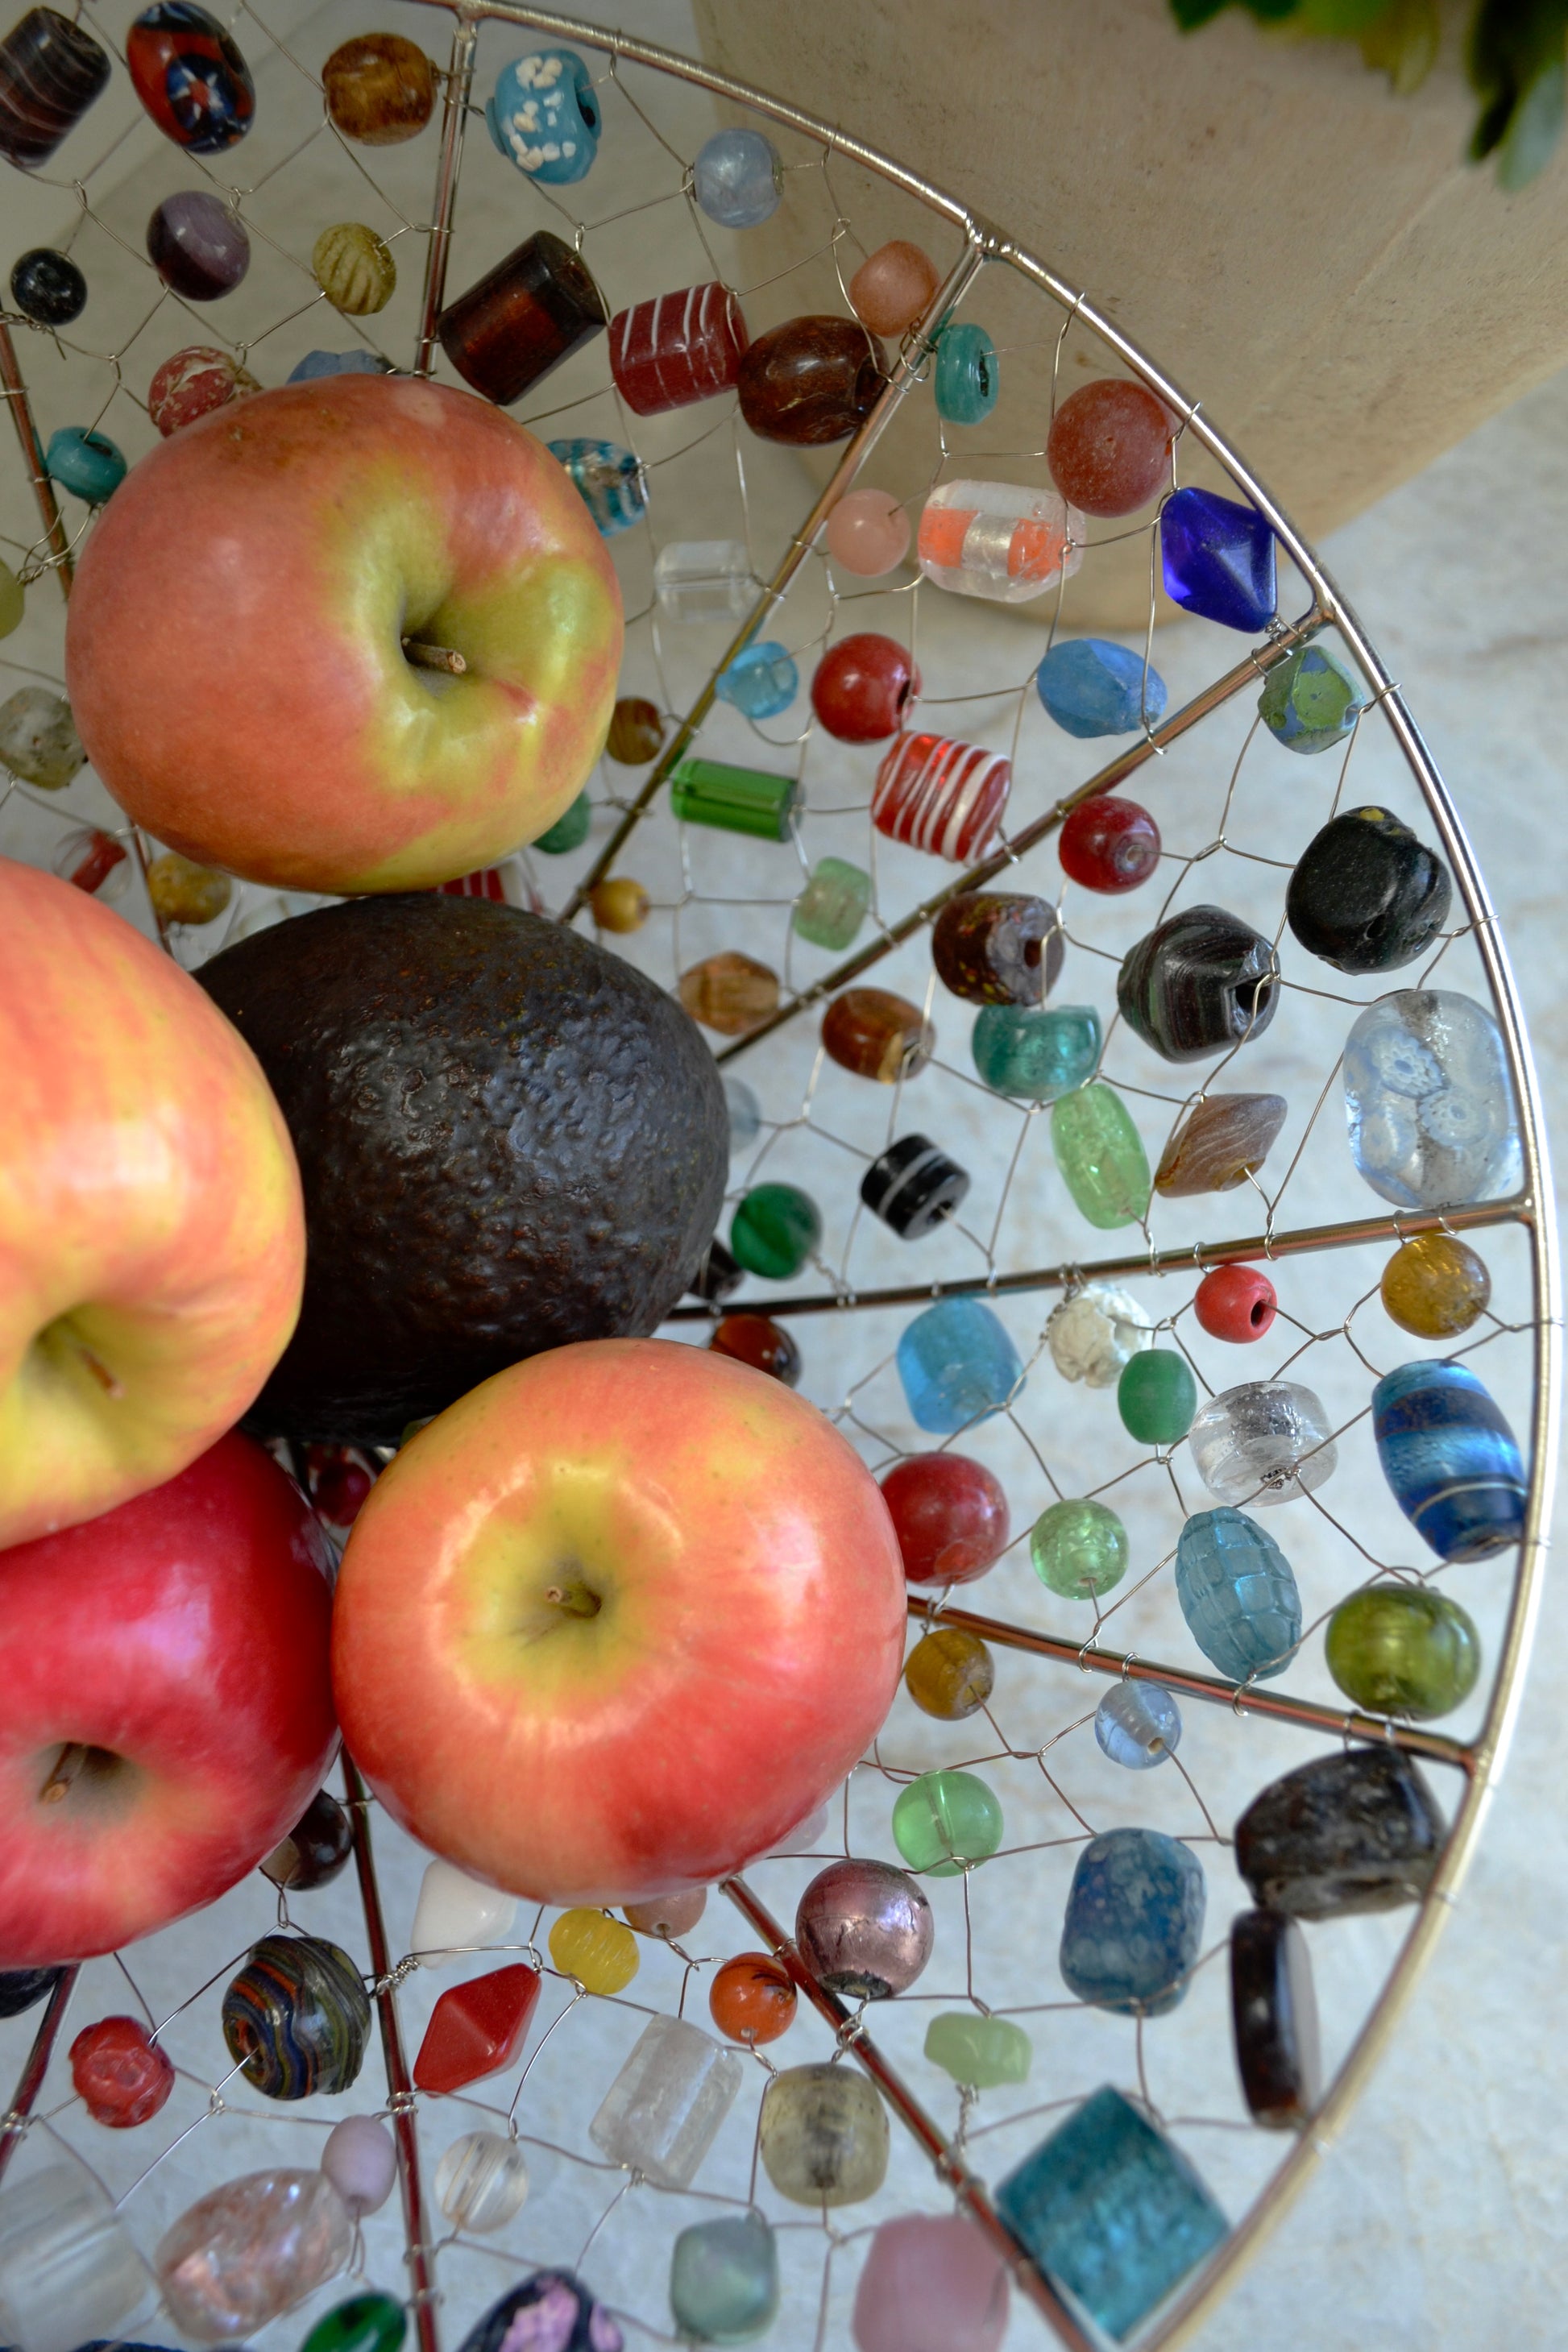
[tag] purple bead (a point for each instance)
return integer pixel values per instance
(1218, 559)
(360, 2160)
(863, 1930)
(199, 248)
(50, 72)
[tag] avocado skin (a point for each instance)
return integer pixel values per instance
(508, 1139)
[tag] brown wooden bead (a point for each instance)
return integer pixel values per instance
(811, 381)
(730, 992)
(878, 1035)
(379, 88)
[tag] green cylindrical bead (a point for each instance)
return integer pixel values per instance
(1080, 1548)
(982, 2052)
(1403, 1649)
(570, 830)
(1101, 1156)
(945, 1820)
(774, 1229)
(736, 800)
(366, 2323)
(1157, 1397)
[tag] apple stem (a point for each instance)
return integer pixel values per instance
(424, 656)
(68, 1765)
(574, 1599)
(99, 1371)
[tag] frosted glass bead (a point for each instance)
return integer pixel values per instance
(999, 539)
(724, 2279)
(481, 2182)
(1079, 1549)
(1108, 447)
(1092, 1333)
(1134, 1922)
(243, 2254)
(892, 287)
(745, 1113)
(360, 2160)
(1138, 1725)
(1428, 1101)
(1100, 1156)
(1036, 1053)
(38, 742)
(457, 1915)
(1265, 1441)
(703, 580)
(832, 906)
(867, 533)
(1238, 1595)
(982, 2051)
(68, 2270)
(958, 1365)
(945, 1822)
(1358, 1831)
(674, 1916)
(662, 2112)
(760, 681)
(931, 2283)
(736, 179)
(1451, 1461)
(823, 2136)
(1091, 687)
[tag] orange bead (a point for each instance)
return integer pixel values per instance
(752, 1998)
(892, 287)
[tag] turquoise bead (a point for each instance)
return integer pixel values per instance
(87, 464)
(1035, 1052)
(544, 116)
(1238, 1595)
(832, 906)
(774, 1230)
(760, 681)
(570, 830)
(1091, 687)
(967, 377)
(958, 1365)
(946, 1820)
(724, 2280)
(1101, 1156)
(982, 2052)
(1157, 1397)
(1134, 1922)
(366, 2323)
(1310, 703)
(1451, 1461)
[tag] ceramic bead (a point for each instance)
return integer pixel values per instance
(120, 2075)
(553, 2312)
(180, 891)
(867, 533)
(1217, 558)
(599, 1953)
(764, 1345)
(92, 861)
(1138, 1725)
(89, 464)
(1236, 1303)
(957, 1364)
(619, 904)
(457, 1915)
(738, 179)
(1199, 983)
(243, 2254)
(1451, 1461)
(913, 1187)
(724, 2280)
(863, 1930)
(944, 1823)
(668, 1916)
(1353, 1831)
(812, 380)
(823, 2136)
(38, 742)
(1100, 1156)
(1223, 1140)
(48, 288)
(192, 383)
(1157, 1396)
(315, 1850)
(1238, 1595)
(198, 245)
(697, 580)
(1108, 447)
(533, 311)
(1036, 1053)
(22, 1989)
(1403, 1649)
(1091, 687)
(611, 481)
(1079, 1549)
(67, 2268)
(481, 2182)
(1094, 1333)
(892, 287)
(188, 73)
(730, 992)
(760, 681)
(1310, 703)
(676, 349)
(833, 905)
(478, 2029)
(1134, 1922)
(1428, 1105)
(1266, 1441)
(296, 2018)
(997, 947)
(662, 2112)
(366, 2323)
(317, 365)
(1274, 2014)
(570, 830)
(752, 1999)
(949, 1674)
(967, 378)
(1366, 894)
(51, 69)
(876, 1035)
(940, 795)
(354, 268)
(774, 1230)
(1109, 844)
(999, 539)
(983, 2052)
(360, 2160)
(1435, 1286)
(949, 1516)
(380, 90)
(744, 1113)
(863, 686)
(544, 116)
(931, 2283)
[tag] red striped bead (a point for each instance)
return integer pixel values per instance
(678, 348)
(939, 795)
(485, 884)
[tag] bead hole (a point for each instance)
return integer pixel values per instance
(1259, 1312)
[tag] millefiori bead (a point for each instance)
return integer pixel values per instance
(1428, 1105)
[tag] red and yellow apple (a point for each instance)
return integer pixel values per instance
(616, 1622)
(234, 648)
(151, 1229)
(168, 1712)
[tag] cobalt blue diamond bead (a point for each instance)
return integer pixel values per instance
(1238, 1595)
(544, 117)
(1091, 687)
(610, 481)
(958, 1365)
(1134, 1922)
(1450, 1459)
(1218, 559)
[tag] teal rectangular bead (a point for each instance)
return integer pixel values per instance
(736, 800)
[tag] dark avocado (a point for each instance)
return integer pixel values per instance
(508, 1139)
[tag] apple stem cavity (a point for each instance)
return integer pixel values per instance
(70, 1765)
(424, 656)
(574, 1600)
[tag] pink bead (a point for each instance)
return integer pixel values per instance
(931, 2283)
(867, 533)
(676, 349)
(939, 795)
(1236, 1303)
(360, 2160)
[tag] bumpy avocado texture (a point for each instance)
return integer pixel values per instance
(508, 1139)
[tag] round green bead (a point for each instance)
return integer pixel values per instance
(774, 1230)
(982, 2052)
(1079, 1549)
(1403, 1649)
(570, 830)
(943, 1820)
(366, 2323)
(1157, 1397)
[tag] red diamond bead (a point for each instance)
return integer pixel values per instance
(949, 1516)
(122, 2077)
(1109, 844)
(863, 687)
(477, 2029)
(1235, 1302)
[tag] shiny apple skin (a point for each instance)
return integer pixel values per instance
(187, 1632)
(746, 1649)
(234, 647)
(152, 1228)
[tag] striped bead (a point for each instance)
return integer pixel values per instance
(296, 2018)
(1450, 1459)
(939, 795)
(676, 349)
(486, 883)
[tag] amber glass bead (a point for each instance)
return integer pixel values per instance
(668, 1915)
(533, 311)
(1436, 1286)
(379, 88)
(600, 1952)
(892, 287)
(995, 947)
(1108, 447)
(752, 1998)
(878, 1035)
(756, 1340)
(949, 1674)
(183, 892)
(636, 732)
(619, 905)
(315, 1849)
(730, 992)
(1225, 1140)
(811, 381)
(120, 2075)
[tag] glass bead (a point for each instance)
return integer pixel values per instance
(339, 1483)
(553, 2312)
(544, 116)
(188, 73)
(1266, 1441)
(667, 1916)
(1108, 447)
(180, 891)
(1134, 1922)
(609, 480)
(315, 1849)
(868, 533)
(755, 1340)
(192, 383)
(730, 992)
(724, 2280)
(22, 1989)
(1451, 1461)
(774, 1229)
(1157, 1396)
(738, 179)
(744, 1113)
(1138, 1725)
(50, 72)
(940, 795)
(316, 365)
(1223, 1140)
(12, 600)
(949, 1674)
(958, 1365)
(1109, 844)
(597, 1951)
(913, 1187)
(1200, 983)
(1274, 2015)
(999, 539)
(457, 1915)
(481, 2182)
(760, 681)
(697, 580)
(380, 90)
(92, 861)
(752, 1998)
(1436, 1286)
(811, 381)
(1091, 687)
(532, 311)
(1309, 701)
(876, 1035)
(945, 1822)
(931, 2283)
(479, 2028)
(295, 2018)
(967, 378)
(832, 906)
(662, 2112)
(1402, 1649)
(1236, 1303)
(864, 1930)
(119, 2074)
(360, 2160)
(48, 288)
(89, 464)
(198, 245)
(1354, 1832)
(718, 1275)
(1094, 1333)
(366, 2323)
(982, 2052)
(1366, 894)
(1079, 1549)
(243, 2254)
(863, 686)
(995, 947)
(619, 905)
(676, 349)
(1100, 1156)
(636, 732)
(1111, 2211)
(823, 2136)
(1238, 1594)
(949, 1516)
(354, 268)
(1217, 559)
(570, 830)
(892, 287)
(1428, 1105)
(1036, 1053)
(68, 2270)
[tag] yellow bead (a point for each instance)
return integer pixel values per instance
(597, 1950)
(183, 892)
(950, 1675)
(1436, 1286)
(620, 905)
(354, 268)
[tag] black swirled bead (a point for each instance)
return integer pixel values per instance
(1274, 2012)
(913, 1187)
(296, 2018)
(48, 288)
(1367, 896)
(1360, 1831)
(315, 1849)
(997, 947)
(1199, 985)
(50, 72)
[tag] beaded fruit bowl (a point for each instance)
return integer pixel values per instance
(1134, 1154)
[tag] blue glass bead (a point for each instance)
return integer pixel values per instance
(760, 681)
(544, 116)
(1451, 1461)
(1428, 1105)
(724, 2279)
(1138, 1725)
(322, 363)
(958, 1365)
(1091, 687)
(1238, 1595)
(967, 376)
(1134, 1922)
(1310, 703)
(1110, 2210)
(84, 462)
(736, 179)
(1034, 1050)
(612, 482)
(1218, 559)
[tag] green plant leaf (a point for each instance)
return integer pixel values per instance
(1343, 20)
(1190, 14)
(1513, 42)
(1402, 43)
(1532, 136)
